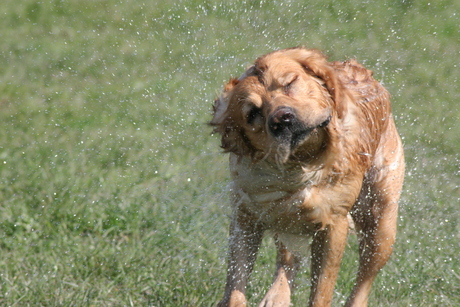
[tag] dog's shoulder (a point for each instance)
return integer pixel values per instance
(361, 83)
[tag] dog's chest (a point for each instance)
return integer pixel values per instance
(274, 195)
(265, 182)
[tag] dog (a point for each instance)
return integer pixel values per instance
(311, 143)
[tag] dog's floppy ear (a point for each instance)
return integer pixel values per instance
(221, 104)
(225, 122)
(315, 63)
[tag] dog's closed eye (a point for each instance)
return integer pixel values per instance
(288, 86)
(253, 114)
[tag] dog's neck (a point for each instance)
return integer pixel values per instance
(268, 176)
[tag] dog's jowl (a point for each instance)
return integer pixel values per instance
(311, 143)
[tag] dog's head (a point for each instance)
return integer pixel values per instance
(280, 108)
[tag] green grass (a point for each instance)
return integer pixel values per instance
(113, 190)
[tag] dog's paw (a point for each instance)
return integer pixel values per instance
(236, 299)
(276, 298)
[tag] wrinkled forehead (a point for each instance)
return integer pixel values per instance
(274, 67)
(274, 70)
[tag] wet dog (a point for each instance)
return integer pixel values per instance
(311, 142)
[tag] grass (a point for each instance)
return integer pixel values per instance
(112, 189)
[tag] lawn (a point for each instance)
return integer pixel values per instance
(113, 192)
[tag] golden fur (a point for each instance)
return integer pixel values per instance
(310, 142)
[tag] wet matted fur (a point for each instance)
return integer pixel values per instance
(310, 142)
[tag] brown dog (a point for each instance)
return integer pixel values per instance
(310, 141)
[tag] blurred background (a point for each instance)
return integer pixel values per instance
(113, 192)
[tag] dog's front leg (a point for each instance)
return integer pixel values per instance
(287, 265)
(327, 250)
(244, 242)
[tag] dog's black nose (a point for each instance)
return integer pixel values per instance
(282, 118)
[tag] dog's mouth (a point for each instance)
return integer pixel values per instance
(288, 129)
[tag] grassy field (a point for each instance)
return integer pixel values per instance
(112, 188)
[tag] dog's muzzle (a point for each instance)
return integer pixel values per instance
(285, 125)
(282, 121)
